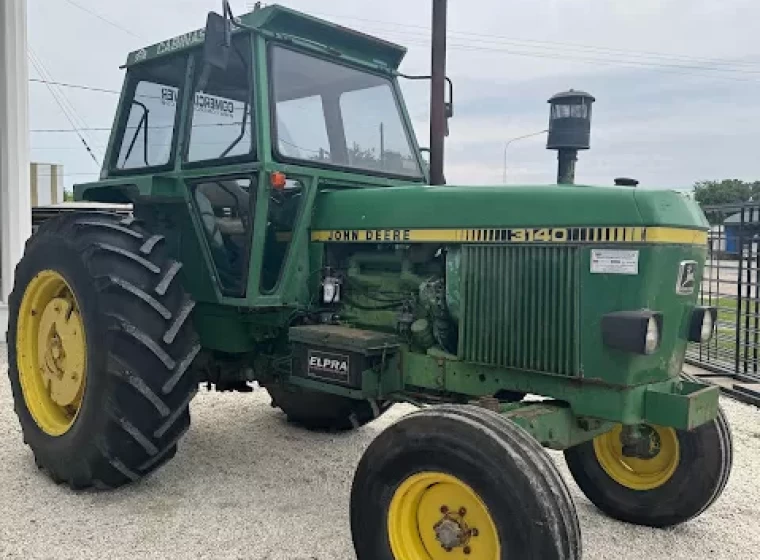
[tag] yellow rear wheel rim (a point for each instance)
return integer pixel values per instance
(436, 516)
(51, 352)
(634, 473)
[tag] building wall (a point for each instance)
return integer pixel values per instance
(15, 210)
(46, 184)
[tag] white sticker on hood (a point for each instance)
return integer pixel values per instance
(614, 261)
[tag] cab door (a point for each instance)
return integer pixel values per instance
(221, 169)
(248, 214)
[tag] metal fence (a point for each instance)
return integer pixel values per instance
(730, 283)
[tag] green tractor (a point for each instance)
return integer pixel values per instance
(285, 230)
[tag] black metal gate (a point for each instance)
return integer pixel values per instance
(730, 283)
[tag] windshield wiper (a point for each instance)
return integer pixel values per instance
(144, 125)
(243, 126)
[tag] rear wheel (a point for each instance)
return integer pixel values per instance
(315, 410)
(100, 347)
(460, 482)
(682, 479)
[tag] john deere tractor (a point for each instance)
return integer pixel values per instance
(285, 231)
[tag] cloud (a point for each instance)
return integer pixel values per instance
(666, 119)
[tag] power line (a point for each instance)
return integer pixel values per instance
(70, 130)
(548, 53)
(66, 108)
(60, 96)
(574, 46)
(544, 52)
(104, 19)
(75, 86)
(153, 127)
(56, 148)
(555, 53)
(66, 173)
(674, 69)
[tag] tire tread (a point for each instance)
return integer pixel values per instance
(678, 502)
(150, 345)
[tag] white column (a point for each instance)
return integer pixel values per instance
(15, 207)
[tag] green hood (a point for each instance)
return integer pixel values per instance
(503, 206)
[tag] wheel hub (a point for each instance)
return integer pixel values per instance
(451, 533)
(60, 351)
(656, 459)
(435, 516)
(51, 352)
(640, 442)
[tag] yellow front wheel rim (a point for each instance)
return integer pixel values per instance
(634, 473)
(51, 352)
(436, 516)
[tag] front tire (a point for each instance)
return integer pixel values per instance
(100, 347)
(687, 475)
(455, 482)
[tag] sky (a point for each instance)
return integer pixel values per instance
(677, 82)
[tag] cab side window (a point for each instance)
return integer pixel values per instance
(284, 211)
(225, 207)
(145, 138)
(221, 122)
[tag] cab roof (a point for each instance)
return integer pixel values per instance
(283, 23)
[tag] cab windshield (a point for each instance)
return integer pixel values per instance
(328, 113)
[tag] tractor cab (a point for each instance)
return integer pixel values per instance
(245, 123)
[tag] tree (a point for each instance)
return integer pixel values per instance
(727, 191)
(368, 158)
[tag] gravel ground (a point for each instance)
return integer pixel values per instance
(245, 484)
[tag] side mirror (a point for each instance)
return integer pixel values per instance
(216, 47)
(448, 105)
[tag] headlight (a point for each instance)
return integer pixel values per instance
(652, 340)
(707, 328)
(639, 332)
(702, 324)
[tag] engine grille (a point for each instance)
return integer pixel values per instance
(520, 307)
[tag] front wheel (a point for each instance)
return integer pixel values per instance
(686, 475)
(459, 482)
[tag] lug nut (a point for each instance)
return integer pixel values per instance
(467, 550)
(444, 509)
(462, 511)
(474, 532)
(447, 548)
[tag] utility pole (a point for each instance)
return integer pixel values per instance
(382, 146)
(15, 205)
(438, 93)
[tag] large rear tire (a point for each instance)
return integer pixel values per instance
(318, 411)
(686, 476)
(456, 482)
(100, 346)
